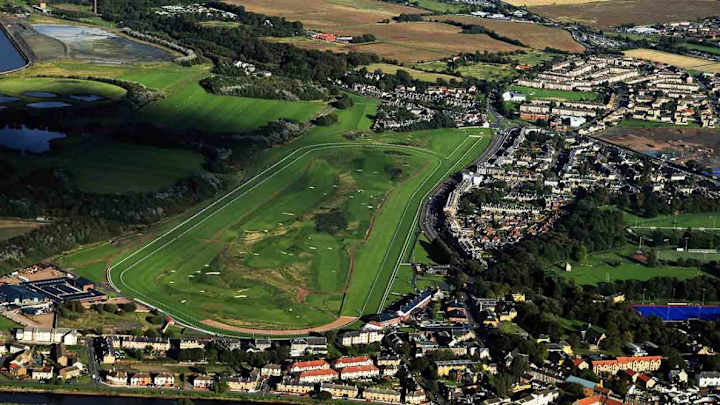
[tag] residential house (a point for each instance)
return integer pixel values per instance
(203, 382)
(381, 395)
(355, 372)
(318, 375)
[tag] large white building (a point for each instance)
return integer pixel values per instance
(47, 336)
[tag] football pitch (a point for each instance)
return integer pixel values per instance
(315, 236)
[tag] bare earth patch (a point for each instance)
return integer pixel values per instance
(338, 323)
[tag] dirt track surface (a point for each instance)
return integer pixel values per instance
(338, 323)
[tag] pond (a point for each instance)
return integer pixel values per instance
(7, 99)
(28, 140)
(49, 104)
(10, 58)
(101, 46)
(88, 98)
(40, 94)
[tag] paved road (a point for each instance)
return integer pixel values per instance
(428, 217)
(93, 367)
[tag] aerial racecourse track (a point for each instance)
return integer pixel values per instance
(309, 243)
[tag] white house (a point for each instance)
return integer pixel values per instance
(514, 97)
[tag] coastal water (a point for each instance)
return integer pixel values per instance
(28, 140)
(10, 58)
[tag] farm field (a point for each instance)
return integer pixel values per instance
(416, 74)
(616, 265)
(532, 35)
(10, 228)
(685, 62)
(535, 3)
(556, 94)
(609, 13)
(276, 268)
(405, 42)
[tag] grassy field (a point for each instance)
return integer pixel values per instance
(439, 6)
(416, 74)
(703, 48)
(702, 220)
(184, 97)
(109, 167)
(685, 62)
(634, 123)
(273, 268)
(405, 42)
(556, 94)
(616, 265)
(18, 87)
(489, 71)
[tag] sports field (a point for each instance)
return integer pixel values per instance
(611, 266)
(556, 94)
(684, 221)
(316, 233)
(682, 61)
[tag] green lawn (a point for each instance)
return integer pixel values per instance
(699, 220)
(558, 94)
(600, 267)
(6, 324)
(634, 123)
(15, 86)
(420, 254)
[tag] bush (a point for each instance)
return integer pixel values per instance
(129, 307)
(331, 222)
(112, 308)
(344, 102)
(326, 120)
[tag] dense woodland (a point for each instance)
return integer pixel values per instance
(274, 88)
